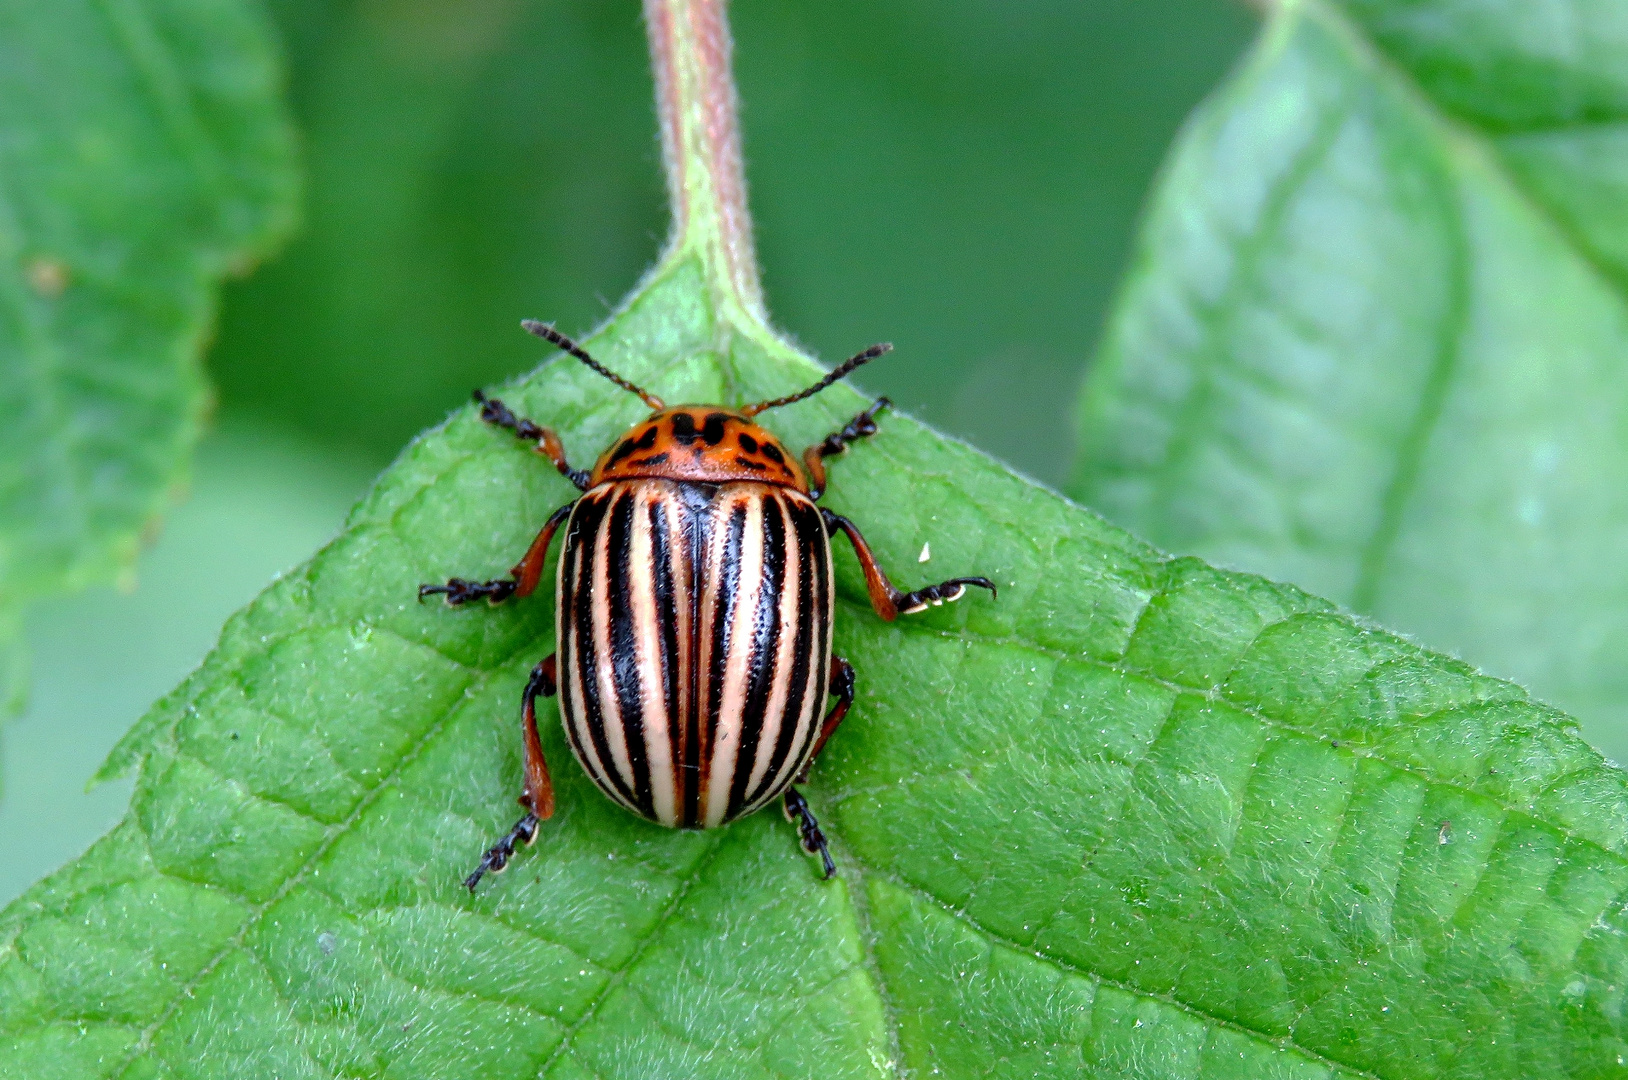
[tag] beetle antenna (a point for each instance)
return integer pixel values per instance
(549, 334)
(842, 370)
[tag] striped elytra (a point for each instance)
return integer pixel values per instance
(694, 633)
(693, 609)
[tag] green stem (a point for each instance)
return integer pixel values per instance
(701, 146)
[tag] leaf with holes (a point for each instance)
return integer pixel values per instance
(1137, 818)
(145, 155)
(1375, 335)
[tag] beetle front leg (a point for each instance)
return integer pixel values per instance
(538, 796)
(888, 601)
(808, 829)
(522, 580)
(543, 439)
(837, 442)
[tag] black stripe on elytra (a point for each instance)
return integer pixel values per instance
(820, 652)
(728, 573)
(624, 657)
(764, 668)
(804, 648)
(572, 595)
(587, 659)
(662, 553)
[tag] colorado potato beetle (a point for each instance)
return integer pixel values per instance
(693, 609)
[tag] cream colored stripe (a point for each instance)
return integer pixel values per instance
(710, 609)
(785, 658)
(737, 661)
(641, 579)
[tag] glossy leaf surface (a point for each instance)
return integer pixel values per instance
(1138, 817)
(1375, 335)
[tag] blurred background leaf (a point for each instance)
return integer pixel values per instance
(144, 154)
(961, 178)
(1375, 335)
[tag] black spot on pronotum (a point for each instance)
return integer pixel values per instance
(748, 443)
(713, 430)
(750, 464)
(653, 459)
(772, 452)
(622, 451)
(647, 439)
(684, 427)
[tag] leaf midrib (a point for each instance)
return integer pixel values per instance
(1195, 418)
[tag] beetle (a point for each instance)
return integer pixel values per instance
(693, 609)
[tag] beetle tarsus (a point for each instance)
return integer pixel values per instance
(886, 599)
(808, 830)
(945, 592)
(458, 591)
(498, 855)
(542, 439)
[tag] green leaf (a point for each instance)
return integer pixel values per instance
(146, 155)
(1373, 340)
(1139, 817)
(1136, 814)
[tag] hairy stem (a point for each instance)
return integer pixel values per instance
(701, 146)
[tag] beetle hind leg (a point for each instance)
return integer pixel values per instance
(808, 829)
(841, 688)
(538, 796)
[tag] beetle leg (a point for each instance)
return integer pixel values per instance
(808, 829)
(547, 443)
(842, 688)
(888, 601)
(836, 443)
(522, 580)
(538, 796)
